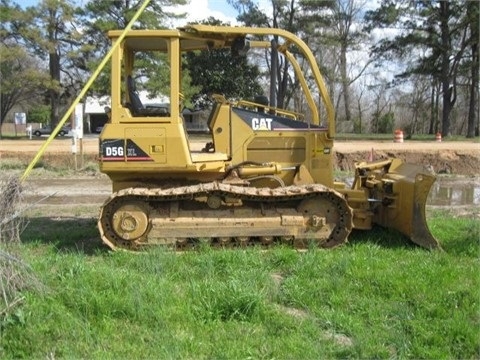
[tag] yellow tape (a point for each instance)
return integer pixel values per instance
(84, 91)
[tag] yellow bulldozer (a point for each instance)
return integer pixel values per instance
(265, 176)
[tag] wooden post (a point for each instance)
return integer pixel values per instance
(81, 153)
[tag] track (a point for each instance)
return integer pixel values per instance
(225, 215)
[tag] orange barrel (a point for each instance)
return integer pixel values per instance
(438, 137)
(398, 136)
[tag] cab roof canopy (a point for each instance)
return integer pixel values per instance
(192, 37)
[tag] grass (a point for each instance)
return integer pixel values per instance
(378, 297)
(51, 166)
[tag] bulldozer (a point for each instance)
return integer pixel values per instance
(264, 176)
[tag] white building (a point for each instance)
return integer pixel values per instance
(95, 115)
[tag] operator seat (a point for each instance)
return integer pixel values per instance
(135, 105)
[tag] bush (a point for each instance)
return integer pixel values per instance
(11, 223)
(39, 114)
(15, 276)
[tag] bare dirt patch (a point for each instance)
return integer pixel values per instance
(456, 157)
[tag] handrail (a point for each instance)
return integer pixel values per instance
(272, 110)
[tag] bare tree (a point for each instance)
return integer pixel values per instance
(415, 104)
(348, 34)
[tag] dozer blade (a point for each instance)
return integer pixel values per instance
(401, 190)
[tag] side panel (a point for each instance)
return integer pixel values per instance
(143, 147)
(262, 137)
(282, 149)
(320, 162)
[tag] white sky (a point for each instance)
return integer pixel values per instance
(196, 10)
(202, 9)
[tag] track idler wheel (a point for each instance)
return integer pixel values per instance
(130, 221)
(125, 224)
(329, 219)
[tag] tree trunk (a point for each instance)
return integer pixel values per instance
(54, 95)
(447, 90)
(345, 82)
(282, 88)
(437, 107)
(433, 110)
(473, 11)
(273, 73)
(54, 67)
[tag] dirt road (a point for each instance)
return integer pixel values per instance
(90, 145)
(457, 157)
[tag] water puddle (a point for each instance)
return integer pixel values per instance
(449, 191)
(455, 191)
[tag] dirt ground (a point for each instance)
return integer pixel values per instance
(81, 194)
(460, 158)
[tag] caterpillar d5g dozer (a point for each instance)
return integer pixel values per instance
(265, 177)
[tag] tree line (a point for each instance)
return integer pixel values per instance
(408, 64)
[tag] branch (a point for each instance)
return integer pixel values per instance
(17, 213)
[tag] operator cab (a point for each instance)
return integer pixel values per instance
(147, 131)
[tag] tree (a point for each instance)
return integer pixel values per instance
(415, 105)
(346, 17)
(328, 27)
(100, 16)
(283, 16)
(21, 78)
(50, 30)
(72, 40)
(339, 23)
(432, 35)
(473, 15)
(219, 71)
(382, 117)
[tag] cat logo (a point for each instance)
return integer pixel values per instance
(262, 124)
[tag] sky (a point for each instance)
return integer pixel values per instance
(196, 10)
(202, 9)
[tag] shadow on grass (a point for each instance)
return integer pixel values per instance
(67, 234)
(462, 239)
(383, 237)
(71, 234)
(458, 236)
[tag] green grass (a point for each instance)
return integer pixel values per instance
(45, 169)
(12, 164)
(377, 297)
